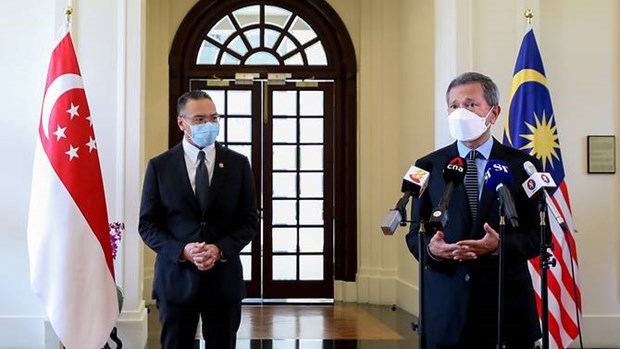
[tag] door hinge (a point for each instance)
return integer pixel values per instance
(277, 78)
(245, 78)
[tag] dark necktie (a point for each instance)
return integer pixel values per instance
(202, 181)
(471, 183)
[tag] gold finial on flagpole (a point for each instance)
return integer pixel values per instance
(68, 13)
(529, 14)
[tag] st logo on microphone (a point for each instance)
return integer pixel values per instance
(495, 167)
(456, 164)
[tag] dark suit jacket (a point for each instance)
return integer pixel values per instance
(170, 217)
(462, 296)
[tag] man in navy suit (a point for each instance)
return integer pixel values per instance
(198, 211)
(461, 278)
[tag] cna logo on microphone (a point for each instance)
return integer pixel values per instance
(457, 164)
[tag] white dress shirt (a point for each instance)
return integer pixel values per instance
(191, 160)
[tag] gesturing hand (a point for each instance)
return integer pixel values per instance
(440, 248)
(471, 249)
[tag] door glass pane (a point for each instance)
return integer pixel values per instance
(284, 212)
(221, 136)
(312, 344)
(286, 45)
(247, 248)
(311, 103)
(311, 157)
(294, 60)
(243, 149)
(229, 59)
(284, 185)
(239, 129)
(284, 240)
(238, 46)
(284, 103)
(284, 130)
(276, 15)
(302, 31)
(247, 15)
(284, 344)
(222, 30)
(207, 53)
(316, 54)
(217, 96)
(311, 239)
(284, 157)
(271, 36)
(311, 184)
(311, 212)
(311, 130)
(262, 58)
(311, 267)
(253, 37)
(239, 103)
(284, 268)
(243, 344)
(246, 262)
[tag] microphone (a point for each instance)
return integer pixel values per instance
(497, 177)
(414, 183)
(543, 180)
(453, 174)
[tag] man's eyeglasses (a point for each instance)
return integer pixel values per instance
(201, 119)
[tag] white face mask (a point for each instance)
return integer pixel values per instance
(467, 126)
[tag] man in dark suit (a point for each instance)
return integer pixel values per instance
(198, 211)
(461, 278)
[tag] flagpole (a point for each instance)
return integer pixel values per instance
(68, 12)
(545, 258)
(529, 14)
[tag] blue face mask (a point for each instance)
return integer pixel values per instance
(204, 135)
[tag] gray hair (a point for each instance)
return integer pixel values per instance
(491, 93)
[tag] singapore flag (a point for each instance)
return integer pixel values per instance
(69, 246)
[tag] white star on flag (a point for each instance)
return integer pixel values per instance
(91, 144)
(60, 133)
(72, 152)
(73, 111)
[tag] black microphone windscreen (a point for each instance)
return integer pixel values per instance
(455, 169)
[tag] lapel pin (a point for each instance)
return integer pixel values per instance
(220, 165)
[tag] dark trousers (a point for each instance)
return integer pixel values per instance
(220, 323)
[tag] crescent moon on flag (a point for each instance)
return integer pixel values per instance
(57, 88)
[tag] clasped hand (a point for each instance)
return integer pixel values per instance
(465, 249)
(202, 255)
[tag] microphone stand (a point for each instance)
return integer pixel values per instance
(500, 286)
(421, 267)
(546, 259)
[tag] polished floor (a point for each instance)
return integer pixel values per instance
(320, 326)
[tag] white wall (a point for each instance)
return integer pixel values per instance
(582, 70)
(25, 51)
(109, 45)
